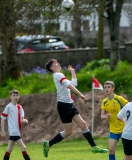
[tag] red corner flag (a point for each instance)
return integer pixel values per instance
(96, 84)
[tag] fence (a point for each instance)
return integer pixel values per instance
(29, 61)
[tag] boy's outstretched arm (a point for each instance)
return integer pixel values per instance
(73, 89)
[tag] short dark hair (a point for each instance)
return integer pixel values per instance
(110, 82)
(14, 92)
(49, 64)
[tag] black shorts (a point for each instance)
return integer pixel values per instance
(127, 146)
(14, 138)
(66, 111)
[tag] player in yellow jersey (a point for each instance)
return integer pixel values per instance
(110, 107)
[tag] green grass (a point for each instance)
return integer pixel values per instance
(77, 149)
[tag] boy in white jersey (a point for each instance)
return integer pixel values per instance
(15, 116)
(125, 115)
(66, 109)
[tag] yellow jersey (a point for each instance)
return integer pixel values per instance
(113, 106)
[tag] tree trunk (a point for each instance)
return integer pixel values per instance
(114, 14)
(77, 31)
(100, 39)
(10, 66)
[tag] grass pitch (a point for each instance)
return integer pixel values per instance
(77, 149)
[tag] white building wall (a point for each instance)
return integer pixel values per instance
(124, 21)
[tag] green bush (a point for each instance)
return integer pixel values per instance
(43, 83)
(95, 64)
(101, 70)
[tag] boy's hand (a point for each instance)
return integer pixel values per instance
(107, 116)
(70, 68)
(83, 97)
(25, 121)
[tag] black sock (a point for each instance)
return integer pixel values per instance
(89, 138)
(25, 155)
(6, 156)
(56, 139)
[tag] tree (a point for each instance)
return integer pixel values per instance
(83, 9)
(113, 10)
(10, 65)
(15, 16)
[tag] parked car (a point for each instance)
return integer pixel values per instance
(33, 43)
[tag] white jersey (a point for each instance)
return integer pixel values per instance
(126, 112)
(61, 83)
(11, 113)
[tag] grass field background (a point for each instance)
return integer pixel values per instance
(77, 149)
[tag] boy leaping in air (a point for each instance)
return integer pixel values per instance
(66, 109)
